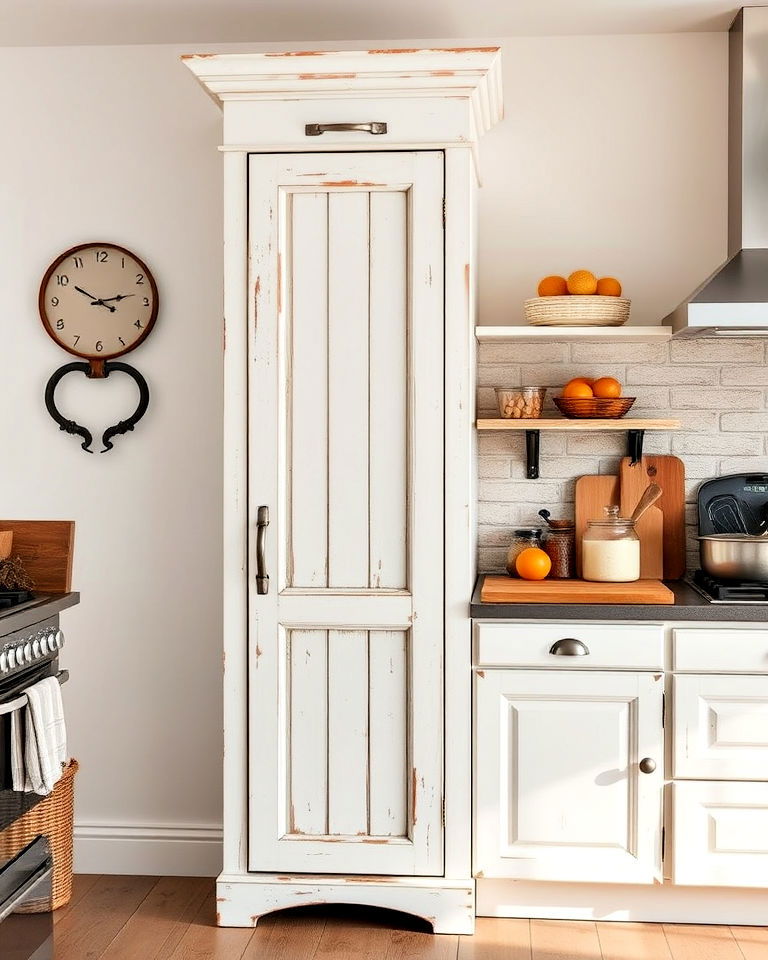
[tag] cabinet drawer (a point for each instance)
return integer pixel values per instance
(721, 727)
(721, 651)
(720, 834)
(608, 646)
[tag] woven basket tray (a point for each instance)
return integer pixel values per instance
(577, 311)
(53, 818)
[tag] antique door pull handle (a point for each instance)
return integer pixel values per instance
(373, 126)
(262, 578)
(569, 647)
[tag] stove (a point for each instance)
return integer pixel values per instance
(12, 598)
(729, 591)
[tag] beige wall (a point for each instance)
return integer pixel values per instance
(612, 155)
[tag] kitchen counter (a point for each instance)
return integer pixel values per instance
(33, 611)
(688, 605)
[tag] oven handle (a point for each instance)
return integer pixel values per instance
(62, 676)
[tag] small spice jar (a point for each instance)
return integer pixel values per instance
(560, 545)
(521, 540)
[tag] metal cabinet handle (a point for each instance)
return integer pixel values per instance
(647, 765)
(262, 522)
(373, 126)
(569, 647)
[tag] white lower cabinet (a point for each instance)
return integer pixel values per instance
(720, 834)
(560, 788)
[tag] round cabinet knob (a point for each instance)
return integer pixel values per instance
(647, 765)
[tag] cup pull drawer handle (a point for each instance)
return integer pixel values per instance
(373, 126)
(262, 578)
(569, 647)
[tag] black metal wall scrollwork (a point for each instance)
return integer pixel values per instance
(72, 427)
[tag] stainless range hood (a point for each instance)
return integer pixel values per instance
(734, 300)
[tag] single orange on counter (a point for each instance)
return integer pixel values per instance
(553, 287)
(608, 287)
(606, 388)
(577, 389)
(533, 564)
(582, 283)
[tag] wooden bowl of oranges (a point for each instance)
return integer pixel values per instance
(588, 398)
(578, 300)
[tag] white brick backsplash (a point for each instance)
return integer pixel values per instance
(666, 373)
(728, 444)
(717, 351)
(717, 388)
(510, 353)
(619, 352)
(699, 398)
(744, 375)
(742, 422)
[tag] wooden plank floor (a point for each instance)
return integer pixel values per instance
(172, 918)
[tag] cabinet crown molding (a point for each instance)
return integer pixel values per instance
(465, 73)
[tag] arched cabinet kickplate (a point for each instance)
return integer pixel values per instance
(97, 369)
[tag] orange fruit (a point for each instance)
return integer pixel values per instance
(606, 387)
(608, 287)
(588, 380)
(582, 282)
(533, 564)
(553, 287)
(577, 389)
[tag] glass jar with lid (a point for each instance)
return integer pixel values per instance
(610, 549)
(521, 539)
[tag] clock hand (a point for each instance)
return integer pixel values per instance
(94, 301)
(120, 296)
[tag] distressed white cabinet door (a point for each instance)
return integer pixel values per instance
(720, 834)
(721, 727)
(558, 790)
(346, 450)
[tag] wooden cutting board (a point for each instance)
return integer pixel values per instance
(592, 494)
(633, 481)
(512, 590)
(669, 473)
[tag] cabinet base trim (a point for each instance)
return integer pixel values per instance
(448, 905)
(666, 903)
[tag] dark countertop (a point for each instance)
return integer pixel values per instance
(44, 605)
(688, 605)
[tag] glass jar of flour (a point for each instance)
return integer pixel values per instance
(610, 549)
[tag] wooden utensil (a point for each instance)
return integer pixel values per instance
(592, 494)
(512, 590)
(669, 473)
(633, 483)
(651, 495)
(6, 543)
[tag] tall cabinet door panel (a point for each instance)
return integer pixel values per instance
(559, 793)
(346, 451)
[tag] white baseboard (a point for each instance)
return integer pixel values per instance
(148, 849)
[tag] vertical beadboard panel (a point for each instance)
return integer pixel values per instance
(388, 740)
(348, 389)
(347, 732)
(308, 546)
(389, 381)
(307, 775)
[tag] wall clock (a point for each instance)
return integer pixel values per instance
(98, 301)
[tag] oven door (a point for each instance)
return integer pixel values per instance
(25, 881)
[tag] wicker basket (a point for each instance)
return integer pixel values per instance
(53, 818)
(593, 408)
(575, 311)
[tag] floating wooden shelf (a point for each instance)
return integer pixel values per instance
(634, 427)
(625, 334)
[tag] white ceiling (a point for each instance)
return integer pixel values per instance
(44, 22)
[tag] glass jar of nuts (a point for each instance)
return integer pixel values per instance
(520, 403)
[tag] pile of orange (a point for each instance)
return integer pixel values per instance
(585, 387)
(580, 283)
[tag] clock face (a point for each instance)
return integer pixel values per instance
(98, 301)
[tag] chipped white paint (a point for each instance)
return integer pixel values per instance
(418, 557)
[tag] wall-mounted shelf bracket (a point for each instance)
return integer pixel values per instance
(635, 445)
(532, 447)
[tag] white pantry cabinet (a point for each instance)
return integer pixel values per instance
(560, 788)
(349, 543)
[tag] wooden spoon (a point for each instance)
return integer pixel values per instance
(652, 493)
